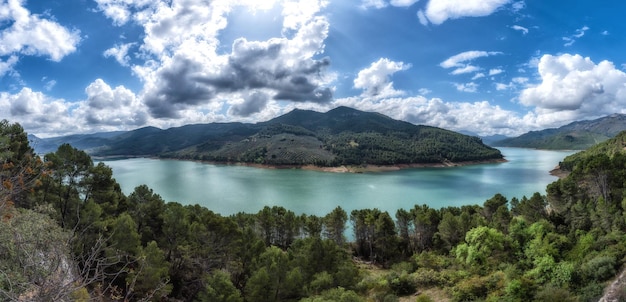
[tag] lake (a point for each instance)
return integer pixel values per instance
(228, 189)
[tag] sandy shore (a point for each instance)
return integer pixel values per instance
(368, 168)
(339, 169)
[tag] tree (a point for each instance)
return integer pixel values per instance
(450, 230)
(335, 225)
(274, 279)
(149, 279)
(219, 288)
(426, 221)
(482, 245)
(20, 168)
(64, 187)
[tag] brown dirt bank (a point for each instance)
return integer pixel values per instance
(369, 168)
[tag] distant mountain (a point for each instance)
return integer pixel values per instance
(342, 136)
(81, 141)
(575, 136)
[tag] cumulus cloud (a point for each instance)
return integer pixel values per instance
(36, 111)
(121, 11)
(184, 70)
(375, 80)
(28, 34)
(478, 117)
(120, 53)
(439, 11)
(574, 86)
(7, 66)
(253, 103)
(466, 87)
(107, 108)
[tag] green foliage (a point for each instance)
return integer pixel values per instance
(35, 259)
(339, 294)
(342, 136)
(559, 247)
(149, 279)
(219, 288)
(482, 245)
(599, 268)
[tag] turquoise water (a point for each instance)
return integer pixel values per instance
(231, 189)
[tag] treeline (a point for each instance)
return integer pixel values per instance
(68, 233)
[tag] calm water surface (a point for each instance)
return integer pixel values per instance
(231, 189)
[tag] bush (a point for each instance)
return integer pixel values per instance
(552, 294)
(471, 289)
(600, 268)
(402, 285)
(423, 298)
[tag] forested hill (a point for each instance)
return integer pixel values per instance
(342, 136)
(575, 136)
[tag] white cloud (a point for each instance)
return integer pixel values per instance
(375, 80)
(465, 69)
(183, 71)
(36, 112)
(478, 117)
(478, 76)
(121, 11)
(373, 3)
(574, 87)
(519, 5)
(605, 33)
(438, 11)
(403, 3)
(569, 41)
(31, 35)
(466, 87)
(49, 85)
(524, 30)
(7, 66)
(109, 108)
(459, 60)
(120, 53)
(495, 71)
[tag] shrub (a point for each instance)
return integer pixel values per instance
(600, 268)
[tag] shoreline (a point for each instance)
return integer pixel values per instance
(339, 169)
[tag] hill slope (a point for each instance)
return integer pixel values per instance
(342, 136)
(575, 136)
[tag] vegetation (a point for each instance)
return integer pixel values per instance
(68, 233)
(575, 136)
(342, 136)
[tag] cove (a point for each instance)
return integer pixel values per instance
(228, 189)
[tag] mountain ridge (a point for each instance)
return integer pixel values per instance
(577, 135)
(341, 136)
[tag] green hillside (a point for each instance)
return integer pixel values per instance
(342, 136)
(575, 136)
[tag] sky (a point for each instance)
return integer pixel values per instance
(482, 66)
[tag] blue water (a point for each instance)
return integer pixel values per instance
(230, 189)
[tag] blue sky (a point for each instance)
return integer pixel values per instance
(485, 66)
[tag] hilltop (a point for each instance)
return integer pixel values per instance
(578, 135)
(341, 136)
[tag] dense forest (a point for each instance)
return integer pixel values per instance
(68, 233)
(341, 136)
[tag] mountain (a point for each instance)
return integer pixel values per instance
(341, 136)
(81, 141)
(575, 136)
